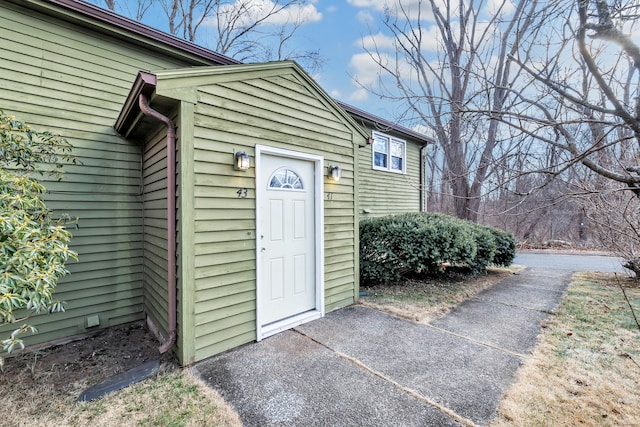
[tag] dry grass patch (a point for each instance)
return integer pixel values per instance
(423, 299)
(585, 369)
(40, 388)
(175, 398)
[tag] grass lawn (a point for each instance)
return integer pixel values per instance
(175, 398)
(422, 299)
(585, 368)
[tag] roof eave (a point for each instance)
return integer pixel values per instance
(130, 26)
(130, 113)
(379, 121)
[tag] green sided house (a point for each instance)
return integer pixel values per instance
(391, 172)
(218, 201)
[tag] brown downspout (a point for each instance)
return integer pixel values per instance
(422, 176)
(171, 218)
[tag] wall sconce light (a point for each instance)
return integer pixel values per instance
(242, 161)
(335, 173)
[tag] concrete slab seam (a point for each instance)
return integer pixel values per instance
(449, 412)
(512, 305)
(513, 353)
(530, 286)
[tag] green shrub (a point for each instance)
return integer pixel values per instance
(505, 247)
(423, 243)
(486, 243)
(33, 242)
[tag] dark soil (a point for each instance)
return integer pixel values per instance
(68, 367)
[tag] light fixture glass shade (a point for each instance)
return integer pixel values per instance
(335, 173)
(243, 162)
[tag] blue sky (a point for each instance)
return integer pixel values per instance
(336, 29)
(338, 36)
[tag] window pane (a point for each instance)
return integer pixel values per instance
(397, 149)
(380, 145)
(380, 159)
(285, 178)
(388, 153)
(396, 163)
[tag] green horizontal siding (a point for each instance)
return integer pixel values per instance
(385, 193)
(154, 207)
(73, 80)
(236, 114)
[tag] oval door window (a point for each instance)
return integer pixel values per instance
(285, 179)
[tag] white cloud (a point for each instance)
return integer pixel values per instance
(359, 95)
(376, 41)
(365, 17)
(335, 93)
(307, 13)
(367, 72)
(253, 10)
(430, 41)
(365, 69)
(410, 7)
(423, 9)
(506, 7)
(369, 4)
(632, 29)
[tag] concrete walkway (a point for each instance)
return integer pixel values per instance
(360, 367)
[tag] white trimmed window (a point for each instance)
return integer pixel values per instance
(389, 153)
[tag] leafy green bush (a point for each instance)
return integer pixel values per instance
(424, 243)
(505, 247)
(33, 243)
(486, 248)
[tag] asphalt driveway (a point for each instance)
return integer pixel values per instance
(570, 262)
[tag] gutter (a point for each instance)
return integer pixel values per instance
(96, 18)
(135, 107)
(384, 123)
(423, 208)
(143, 102)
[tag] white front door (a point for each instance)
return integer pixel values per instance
(287, 243)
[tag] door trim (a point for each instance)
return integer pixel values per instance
(263, 331)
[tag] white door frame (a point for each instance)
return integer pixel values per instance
(263, 331)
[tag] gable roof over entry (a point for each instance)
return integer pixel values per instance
(180, 84)
(75, 66)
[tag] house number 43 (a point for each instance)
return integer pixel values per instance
(242, 193)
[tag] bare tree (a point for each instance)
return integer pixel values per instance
(591, 108)
(585, 103)
(445, 86)
(613, 216)
(246, 30)
(136, 10)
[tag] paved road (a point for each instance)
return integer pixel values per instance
(566, 262)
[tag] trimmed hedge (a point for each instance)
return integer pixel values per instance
(423, 243)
